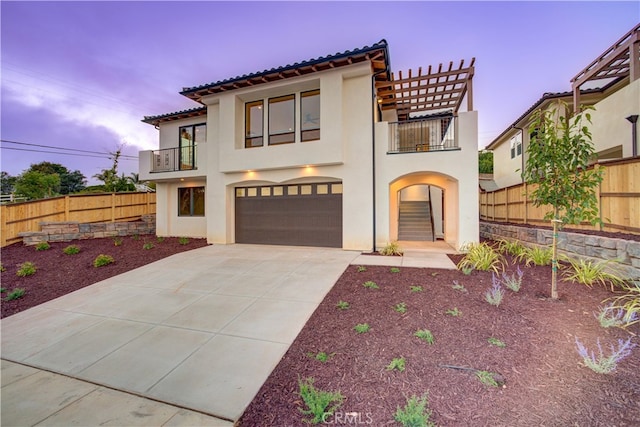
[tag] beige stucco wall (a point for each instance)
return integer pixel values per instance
(610, 128)
(506, 171)
(168, 223)
(455, 172)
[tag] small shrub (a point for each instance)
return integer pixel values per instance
(487, 378)
(362, 328)
(395, 270)
(147, 246)
(318, 403)
(536, 256)
(513, 248)
(2, 269)
(43, 246)
(102, 260)
(362, 269)
(321, 356)
(117, 241)
(495, 294)
(415, 288)
(400, 307)
(588, 273)
(343, 305)
(496, 342)
(397, 364)
(136, 237)
(454, 312)
(370, 285)
(512, 282)
(466, 270)
(605, 364)
(159, 239)
(629, 302)
(3, 290)
(71, 250)
(481, 256)
(17, 293)
(392, 249)
(610, 316)
(26, 269)
(183, 240)
(458, 287)
(425, 335)
(415, 413)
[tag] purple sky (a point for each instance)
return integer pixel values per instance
(83, 74)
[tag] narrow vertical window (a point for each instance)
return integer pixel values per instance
(282, 120)
(191, 201)
(190, 136)
(310, 115)
(254, 120)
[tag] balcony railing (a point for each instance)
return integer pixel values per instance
(429, 134)
(174, 159)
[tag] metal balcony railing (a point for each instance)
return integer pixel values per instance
(428, 134)
(174, 159)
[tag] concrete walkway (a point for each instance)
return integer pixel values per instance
(187, 340)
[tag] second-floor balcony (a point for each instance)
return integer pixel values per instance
(174, 159)
(425, 134)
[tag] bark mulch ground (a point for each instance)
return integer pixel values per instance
(544, 382)
(58, 274)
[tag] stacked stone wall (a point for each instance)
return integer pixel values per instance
(623, 255)
(73, 230)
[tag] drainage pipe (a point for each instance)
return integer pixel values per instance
(634, 134)
(373, 137)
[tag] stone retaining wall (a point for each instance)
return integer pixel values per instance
(626, 253)
(73, 230)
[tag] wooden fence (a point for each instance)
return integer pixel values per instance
(618, 195)
(27, 216)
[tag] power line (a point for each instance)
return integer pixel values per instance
(65, 154)
(64, 148)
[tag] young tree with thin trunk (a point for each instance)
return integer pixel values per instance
(559, 153)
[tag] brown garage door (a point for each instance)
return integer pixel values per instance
(296, 215)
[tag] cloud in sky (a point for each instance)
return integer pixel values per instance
(83, 74)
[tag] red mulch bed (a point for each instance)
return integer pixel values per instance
(58, 274)
(545, 384)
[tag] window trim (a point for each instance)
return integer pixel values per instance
(303, 95)
(292, 133)
(248, 140)
(191, 202)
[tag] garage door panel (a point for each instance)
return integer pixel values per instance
(297, 220)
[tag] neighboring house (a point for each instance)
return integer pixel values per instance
(332, 152)
(616, 100)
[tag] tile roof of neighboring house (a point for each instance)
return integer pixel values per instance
(183, 114)
(378, 51)
(545, 97)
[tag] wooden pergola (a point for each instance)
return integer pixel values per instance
(439, 89)
(620, 60)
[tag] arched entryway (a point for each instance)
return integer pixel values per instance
(423, 207)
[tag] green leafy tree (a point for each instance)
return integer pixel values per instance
(558, 155)
(113, 182)
(37, 185)
(70, 182)
(485, 161)
(7, 182)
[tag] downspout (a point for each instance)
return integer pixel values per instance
(373, 138)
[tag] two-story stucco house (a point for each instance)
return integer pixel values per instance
(611, 84)
(333, 152)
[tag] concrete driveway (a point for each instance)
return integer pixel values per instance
(199, 331)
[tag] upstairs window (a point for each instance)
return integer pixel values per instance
(310, 115)
(516, 145)
(254, 124)
(190, 137)
(282, 120)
